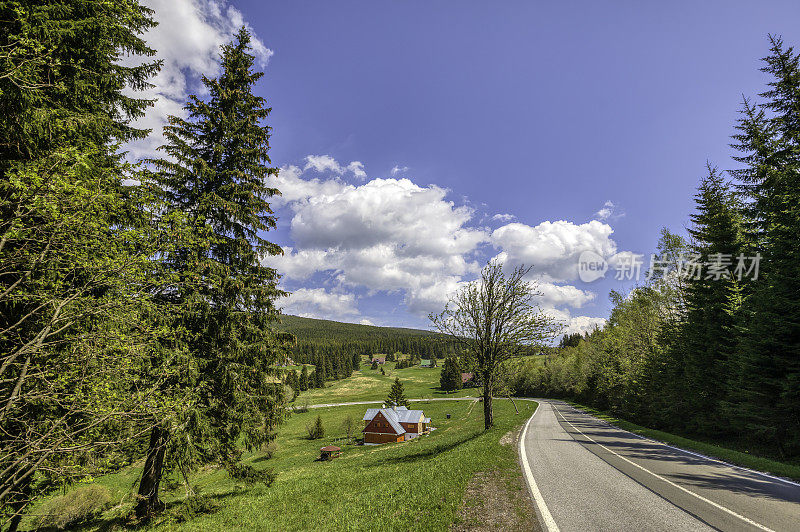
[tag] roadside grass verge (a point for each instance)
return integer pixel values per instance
(739, 458)
(418, 484)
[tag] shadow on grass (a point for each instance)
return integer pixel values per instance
(261, 458)
(438, 390)
(433, 450)
(171, 512)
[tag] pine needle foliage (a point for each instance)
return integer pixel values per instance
(216, 172)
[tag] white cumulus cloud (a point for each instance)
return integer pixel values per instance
(572, 324)
(187, 39)
(326, 163)
(387, 235)
(320, 303)
(357, 167)
(608, 212)
(584, 324)
(398, 170)
(554, 295)
(299, 264)
(395, 236)
(552, 248)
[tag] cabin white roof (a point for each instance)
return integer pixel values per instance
(397, 415)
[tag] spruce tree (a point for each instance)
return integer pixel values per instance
(304, 384)
(76, 250)
(316, 430)
(293, 382)
(397, 395)
(450, 378)
(708, 336)
(217, 172)
(767, 384)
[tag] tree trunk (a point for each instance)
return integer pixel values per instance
(488, 415)
(149, 503)
(15, 521)
(19, 505)
(513, 403)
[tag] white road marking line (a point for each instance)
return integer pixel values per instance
(709, 458)
(712, 503)
(549, 522)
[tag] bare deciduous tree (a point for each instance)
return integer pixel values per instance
(496, 318)
(349, 425)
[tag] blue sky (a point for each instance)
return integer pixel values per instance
(543, 112)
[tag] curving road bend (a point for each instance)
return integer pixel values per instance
(588, 475)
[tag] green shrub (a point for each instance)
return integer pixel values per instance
(269, 449)
(193, 507)
(250, 475)
(315, 430)
(75, 507)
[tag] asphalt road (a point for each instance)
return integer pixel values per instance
(588, 475)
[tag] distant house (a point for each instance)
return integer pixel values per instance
(467, 379)
(384, 425)
(425, 363)
(379, 360)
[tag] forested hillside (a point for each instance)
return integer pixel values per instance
(311, 329)
(331, 344)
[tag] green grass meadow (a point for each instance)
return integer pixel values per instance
(417, 484)
(370, 385)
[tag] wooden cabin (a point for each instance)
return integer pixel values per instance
(395, 424)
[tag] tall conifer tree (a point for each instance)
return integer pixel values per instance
(217, 172)
(768, 360)
(397, 395)
(74, 248)
(708, 336)
(450, 378)
(304, 384)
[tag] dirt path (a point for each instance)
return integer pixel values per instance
(497, 501)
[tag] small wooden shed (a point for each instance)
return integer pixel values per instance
(329, 452)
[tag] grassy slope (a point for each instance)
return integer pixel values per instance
(390, 487)
(728, 455)
(370, 385)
